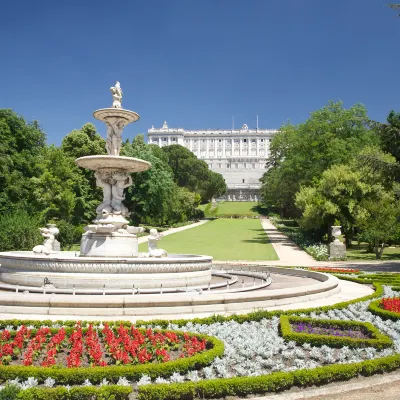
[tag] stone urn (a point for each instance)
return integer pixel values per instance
(336, 232)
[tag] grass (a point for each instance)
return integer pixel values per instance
(224, 239)
(359, 252)
(238, 207)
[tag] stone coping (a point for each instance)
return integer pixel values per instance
(160, 304)
(71, 262)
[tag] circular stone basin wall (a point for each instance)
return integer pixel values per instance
(68, 270)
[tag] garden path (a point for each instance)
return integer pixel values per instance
(143, 239)
(288, 252)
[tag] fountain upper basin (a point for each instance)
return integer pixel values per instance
(105, 162)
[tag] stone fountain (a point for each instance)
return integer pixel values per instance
(109, 254)
(110, 233)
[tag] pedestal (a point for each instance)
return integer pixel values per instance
(337, 250)
(113, 244)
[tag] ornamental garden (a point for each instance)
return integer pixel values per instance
(216, 356)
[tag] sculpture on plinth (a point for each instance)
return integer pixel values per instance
(116, 92)
(48, 247)
(154, 251)
(337, 249)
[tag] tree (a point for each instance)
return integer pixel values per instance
(192, 173)
(83, 142)
(342, 192)
(153, 193)
(300, 154)
(395, 7)
(20, 144)
(380, 221)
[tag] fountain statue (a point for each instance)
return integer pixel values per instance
(49, 246)
(153, 239)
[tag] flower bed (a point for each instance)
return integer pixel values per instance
(98, 353)
(391, 304)
(335, 270)
(377, 307)
(334, 333)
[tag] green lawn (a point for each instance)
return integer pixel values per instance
(358, 252)
(237, 207)
(224, 239)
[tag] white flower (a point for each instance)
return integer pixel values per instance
(144, 380)
(122, 381)
(176, 377)
(49, 382)
(104, 382)
(87, 383)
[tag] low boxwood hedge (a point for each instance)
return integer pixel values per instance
(111, 392)
(64, 375)
(377, 340)
(275, 382)
(376, 309)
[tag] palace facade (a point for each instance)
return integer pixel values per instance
(238, 155)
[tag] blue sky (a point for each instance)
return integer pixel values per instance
(196, 63)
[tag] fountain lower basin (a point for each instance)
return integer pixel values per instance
(67, 269)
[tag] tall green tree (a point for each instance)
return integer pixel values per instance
(193, 174)
(20, 144)
(299, 154)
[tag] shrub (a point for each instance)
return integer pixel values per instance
(69, 234)
(376, 308)
(19, 231)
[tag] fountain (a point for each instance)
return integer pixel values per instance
(109, 248)
(110, 277)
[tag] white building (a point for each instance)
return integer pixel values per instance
(239, 155)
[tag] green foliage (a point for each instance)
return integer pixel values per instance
(83, 142)
(9, 392)
(377, 340)
(20, 144)
(275, 382)
(193, 174)
(111, 392)
(380, 222)
(19, 231)
(301, 153)
(215, 348)
(69, 234)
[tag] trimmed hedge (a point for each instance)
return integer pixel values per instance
(378, 340)
(111, 392)
(376, 309)
(275, 382)
(78, 375)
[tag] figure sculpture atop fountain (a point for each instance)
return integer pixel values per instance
(117, 93)
(154, 251)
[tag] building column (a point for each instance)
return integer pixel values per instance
(223, 148)
(257, 146)
(240, 146)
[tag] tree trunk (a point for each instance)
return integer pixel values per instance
(376, 248)
(381, 251)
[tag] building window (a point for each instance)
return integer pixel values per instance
(254, 166)
(270, 140)
(262, 140)
(220, 140)
(242, 180)
(173, 139)
(244, 140)
(244, 166)
(164, 139)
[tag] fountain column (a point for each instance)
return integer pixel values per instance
(110, 233)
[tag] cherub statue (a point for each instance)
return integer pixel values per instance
(48, 246)
(116, 92)
(154, 251)
(120, 182)
(114, 136)
(102, 180)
